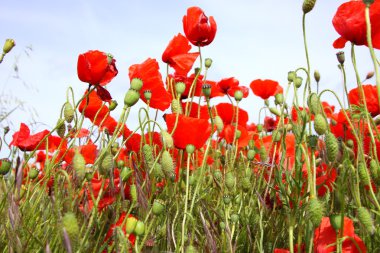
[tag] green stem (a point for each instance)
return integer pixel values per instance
(186, 200)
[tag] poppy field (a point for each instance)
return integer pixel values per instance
(205, 177)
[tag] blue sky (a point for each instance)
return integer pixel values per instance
(255, 39)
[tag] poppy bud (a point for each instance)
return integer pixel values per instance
(61, 128)
(368, 2)
(167, 163)
(320, 124)
(191, 249)
(279, 99)
(246, 184)
(148, 155)
(317, 76)
(370, 75)
(106, 164)
(315, 210)
(176, 106)
(190, 148)
(6, 130)
(291, 76)
(79, 165)
(251, 154)
(140, 228)
(33, 173)
(276, 136)
(158, 206)
(238, 95)
(130, 225)
(341, 58)
(133, 192)
(363, 174)
(229, 181)
(5, 166)
(332, 146)
(219, 123)
(297, 81)
(226, 199)
(260, 128)
(308, 5)
(180, 87)
(206, 89)
(364, 216)
(70, 223)
(68, 112)
(275, 111)
(136, 84)
(218, 175)
(234, 218)
(314, 103)
(167, 139)
(374, 167)
(131, 97)
(125, 174)
(112, 105)
(208, 62)
(237, 133)
(222, 225)
(157, 171)
(8, 45)
(336, 221)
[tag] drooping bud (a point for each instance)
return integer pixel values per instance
(131, 97)
(79, 165)
(125, 174)
(275, 111)
(208, 63)
(5, 166)
(113, 105)
(61, 128)
(320, 124)
(8, 45)
(297, 81)
(365, 219)
(136, 84)
(291, 76)
(68, 112)
(317, 76)
(332, 146)
(341, 58)
(314, 103)
(308, 5)
(167, 139)
(106, 164)
(369, 75)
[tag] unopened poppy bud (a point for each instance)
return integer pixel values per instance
(167, 139)
(218, 175)
(340, 56)
(238, 133)
(320, 124)
(314, 103)
(291, 76)
(196, 71)
(260, 128)
(131, 97)
(276, 136)
(180, 87)
(79, 165)
(158, 206)
(133, 193)
(363, 174)
(148, 155)
(275, 111)
(140, 228)
(279, 99)
(226, 199)
(190, 148)
(113, 105)
(317, 76)
(5, 166)
(206, 89)
(238, 95)
(176, 106)
(312, 141)
(61, 128)
(68, 112)
(368, 2)
(229, 180)
(208, 62)
(191, 249)
(147, 95)
(336, 221)
(8, 45)
(234, 218)
(218, 123)
(332, 146)
(297, 81)
(167, 163)
(370, 75)
(364, 216)
(136, 84)
(130, 225)
(125, 174)
(308, 5)
(106, 164)
(251, 154)
(70, 223)
(33, 173)
(315, 210)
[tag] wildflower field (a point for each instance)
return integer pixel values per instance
(206, 177)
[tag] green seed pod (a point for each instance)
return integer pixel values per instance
(260, 128)
(315, 210)
(229, 181)
(238, 95)
(140, 228)
(106, 164)
(291, 76)
(263, 154)
(336, 221)
(363, 174)
(191, 249)
(133, 192)
(130, 225)
(158, 207)
(279, 99)
(148, 155)
(5, 166)
(167, 163)
(365, 219)
(176, 106)
(147, 95)
(61, 128)
(320, 124)
(167, 139)
(79, 165)
(222, 225)
(332, 146)
(219, 123)
(374, 167)
(70, 223)
(206, 90)
(180, 88)
(218, 175)
(33, 173)
(68, 112)
(314, 103)
(158, 172)
(251, 154)
(131, 97)
(246, 184)
(297, 81)
(226, 199)
(308, 5)
(234, 218)
(341, 57)
(136, 84)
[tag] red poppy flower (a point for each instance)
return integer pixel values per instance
(243, 89)
(349, 22)
(371, 98)
(325, 179)
(188, 80)
(328, 109)
(88, 151)
(265, 88)
(197, 111)
(199, 29)
(325, 235)
(227, 83)
(177, 55)
(97, 68)
(228, 134)
(27, 142)
(188, 131)
(227, 112)
(148, 72)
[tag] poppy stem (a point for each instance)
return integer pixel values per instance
(186, 200)
(306, 52)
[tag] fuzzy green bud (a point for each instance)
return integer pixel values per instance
(308, 5)
(291, 76)
(279, 99)
(131, 97)
(125, 174)
(298, 81)
(140, 228)
(79, 165)
(208, 62)
(70, 223)
(218, 123)
(363, 174)
(167, 139)
(8, 45)
(320, 124)
(68, 112)
(133, 192)
(5, 166)
(158, 206)
(106, 164)
(176, 106)
(136, 84)
(251, 154)
(61, 128)
(364, 216)
(332, 146)
(315, 210)
(180, 88)
(167, 163)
